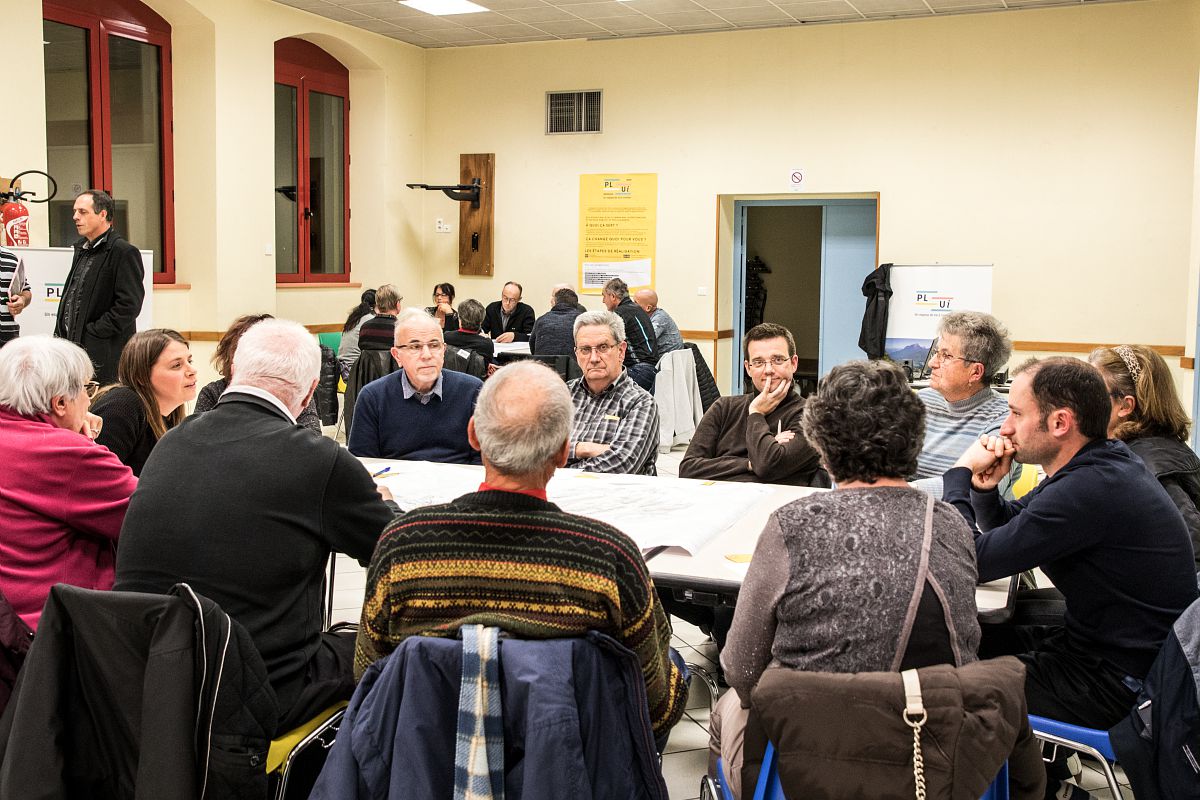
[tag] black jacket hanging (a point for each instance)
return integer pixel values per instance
(877, 288)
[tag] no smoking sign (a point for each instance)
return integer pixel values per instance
(796, 180)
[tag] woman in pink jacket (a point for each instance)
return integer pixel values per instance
(62, 496)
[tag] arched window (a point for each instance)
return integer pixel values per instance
(108, 119)
(312, 165)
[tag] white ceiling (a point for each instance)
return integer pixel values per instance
(546, 20)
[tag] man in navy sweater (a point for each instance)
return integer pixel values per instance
(1100, 526)
(419, 412)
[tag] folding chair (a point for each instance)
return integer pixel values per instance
(1089, 741)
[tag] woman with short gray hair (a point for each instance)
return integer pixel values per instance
(64, 496)
(875, 576)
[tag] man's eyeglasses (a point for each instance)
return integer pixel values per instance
(416, 347)
(774, 361)
(91, 387)
(601, 349)
(944, 356)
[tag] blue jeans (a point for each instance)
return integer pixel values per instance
(643, 375)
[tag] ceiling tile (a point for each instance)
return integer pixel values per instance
(822, 9)
(372, 8)
(747, 16)
(428, 22)
(536, 15)
(610, 8)
(477, 19)
(888, 6)
(632, 25)
(663, 6)
(717, 5)
(506, 5)
(377, 26)
(542, 37)
(456, 36)
(413, 38)
(689, 19)
(342, 14)
(570, 28)
(512, 31)
(949, 5)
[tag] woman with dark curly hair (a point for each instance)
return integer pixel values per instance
(874, 576)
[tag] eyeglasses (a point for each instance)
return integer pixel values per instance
(774, 361)
(600, 349)
(91, 387)
(943, 356)
(415, 348)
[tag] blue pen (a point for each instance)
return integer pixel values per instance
(381, 472)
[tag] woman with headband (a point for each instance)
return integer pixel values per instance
(1148, 416)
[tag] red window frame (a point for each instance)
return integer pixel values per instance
(308, 68)
(132, 20)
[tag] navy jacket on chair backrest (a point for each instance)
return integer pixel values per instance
(576, 724)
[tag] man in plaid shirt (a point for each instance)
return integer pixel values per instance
(616, 421)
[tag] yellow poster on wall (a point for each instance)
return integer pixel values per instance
(618, 217)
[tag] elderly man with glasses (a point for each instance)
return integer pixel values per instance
(420, 412)
(960, 403)
(756, 437)
(616, 421)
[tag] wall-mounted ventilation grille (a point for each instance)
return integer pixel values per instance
(573, 112)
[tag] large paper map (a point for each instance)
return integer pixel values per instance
(687, 513)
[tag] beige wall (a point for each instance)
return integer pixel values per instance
(1057, 144)
(223, 57)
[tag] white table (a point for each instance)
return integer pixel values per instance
(709, 576)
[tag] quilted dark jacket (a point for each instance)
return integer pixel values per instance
(371, 365)
(327, 386)
(851, 740)
(129, 695)
(709, 393)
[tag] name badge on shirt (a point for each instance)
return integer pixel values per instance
(612, 417)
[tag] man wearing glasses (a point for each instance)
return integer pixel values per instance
(756, 437)
(419, 412)
(960, 403)
(616, 421)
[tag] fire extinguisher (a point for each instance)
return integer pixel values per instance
(14, 215)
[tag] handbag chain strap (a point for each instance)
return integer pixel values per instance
(915, 716)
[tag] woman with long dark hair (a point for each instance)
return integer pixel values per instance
(348, 349)
(443, 306)
(155, 378)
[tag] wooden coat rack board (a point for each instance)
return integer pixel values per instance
(475, 223)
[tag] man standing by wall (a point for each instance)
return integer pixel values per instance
(103, 294)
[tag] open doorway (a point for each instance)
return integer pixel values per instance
(801, 263)
(783, 278)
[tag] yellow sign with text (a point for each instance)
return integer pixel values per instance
(618, 218)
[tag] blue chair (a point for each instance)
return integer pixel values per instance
(769, 786)
(1089, 741)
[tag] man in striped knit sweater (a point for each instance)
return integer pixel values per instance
(506, 556)
(960, 402)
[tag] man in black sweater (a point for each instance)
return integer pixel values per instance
(1100, 526)
(641, 356)
(508, 319)
(245, 506)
